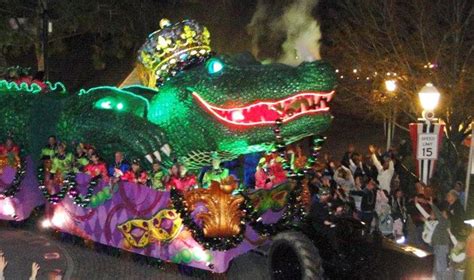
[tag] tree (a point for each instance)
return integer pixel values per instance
(112, 28)
(414, 42)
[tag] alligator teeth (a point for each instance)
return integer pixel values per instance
(262, 119)
(166, 149)
(310, 101)
(317, 98)
(149, 158)
(303, 107)
(329, 97)
(157, 155)
(323, 104)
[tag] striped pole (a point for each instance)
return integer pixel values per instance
(427, 139)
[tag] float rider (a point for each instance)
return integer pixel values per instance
(216, 173)
(62, 163)
(157, 177)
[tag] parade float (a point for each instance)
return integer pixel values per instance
(182, 105)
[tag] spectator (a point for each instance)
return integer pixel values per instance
(382, 210)
(135, 174)
(343, 177)
(399, 213)
(418, 219)
(456, 215)
(120, 166)
(358, 167)
(3, 264)
(459, 187)
(367, 206)
(348, 155)
(385, 170)
(440, 241)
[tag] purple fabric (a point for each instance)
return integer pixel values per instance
(140, 202)
(28, 197)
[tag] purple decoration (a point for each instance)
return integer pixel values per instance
(132, 202)
(27, 198)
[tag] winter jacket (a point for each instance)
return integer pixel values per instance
(440, 233)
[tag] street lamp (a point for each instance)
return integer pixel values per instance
(429, 98)
(390, 86)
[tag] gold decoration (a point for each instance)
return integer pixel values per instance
(223, 218)
(139, 233)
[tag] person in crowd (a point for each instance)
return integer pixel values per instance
(348, 155)
(343, 177)
(120, 166)
(216, 173)
(3, 264)
(344, 204)
(62, 163)
(440, 240)
(10, 152)
(459, 187)
(385, 170)
(399, 213)
(97, 168)
(181, 179)
(135, 174)
(367, 206)
(456, 215)
(418, 219)
(383, 211)
(358, 167)
(277, 171)
(80, 158)
(157, 177)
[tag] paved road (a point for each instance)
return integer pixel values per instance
(75, 260)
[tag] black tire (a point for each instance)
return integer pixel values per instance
(293, 256)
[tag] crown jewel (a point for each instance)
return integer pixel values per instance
(171, 49)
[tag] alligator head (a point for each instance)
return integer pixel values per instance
(231, 104)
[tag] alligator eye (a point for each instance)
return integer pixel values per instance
(214, 66)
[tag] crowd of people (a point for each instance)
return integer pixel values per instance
(34, 269)
(368, 188)
(363, 187)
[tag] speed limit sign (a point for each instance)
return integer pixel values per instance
(427, 146)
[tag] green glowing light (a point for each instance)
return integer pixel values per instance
(214, 66)
(119, 106)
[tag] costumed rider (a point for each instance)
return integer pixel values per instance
(9, 154)
(62, 164)
(48, 152)
(180, 178)
(269, 173)
(135, 174)
(157, 177)
(120, 166)
(97, 168)
(216, 173)
(80, 158)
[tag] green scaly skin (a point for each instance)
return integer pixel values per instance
(170, 115)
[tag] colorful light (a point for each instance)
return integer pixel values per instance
(214, 66)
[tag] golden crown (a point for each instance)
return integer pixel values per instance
(171, 49)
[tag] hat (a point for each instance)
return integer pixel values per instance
(136, 161)
(324, 191)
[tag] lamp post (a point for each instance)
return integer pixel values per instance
(390, 86)
(429, 99)
(427, 134)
